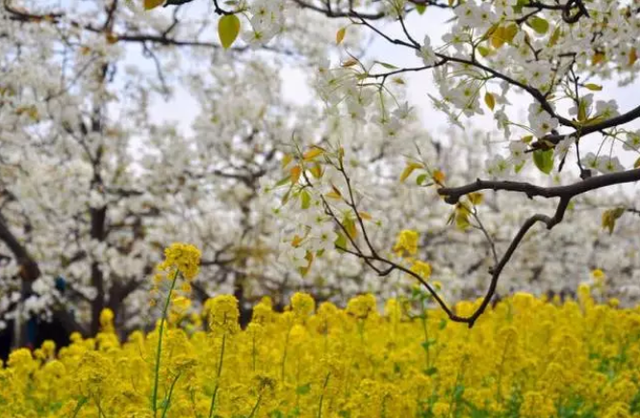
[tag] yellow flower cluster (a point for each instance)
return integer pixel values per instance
(525, 358)
(407, 241)
(182, 257)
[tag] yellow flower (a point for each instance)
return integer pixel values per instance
(181, 304)
(302, 304)
(407, 241)
(183, 257)
(362, 306)
(422, 269)
(262, 312)
(106, 320)
(537, 405)
(598, 278)
(223, 313)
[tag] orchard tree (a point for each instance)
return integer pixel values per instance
(93, 182)
(550, 53)
(92, 186)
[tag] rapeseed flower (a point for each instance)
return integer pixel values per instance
(407, 241)
(182, 257)
(527, 357)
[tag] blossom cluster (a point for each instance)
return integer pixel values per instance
(527, 357)
(494, 49)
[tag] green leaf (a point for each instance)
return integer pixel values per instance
(543, 160)
(609, 218)
(305, 199)
(428, 343)
(304, 389)
(421, 8)
(228, 30)
(593, 87)
(483, 51)
(539, 24)
(387, 65)
(517, 9)
(421, 179)
(431, 371)
(340, 242)
(555, 36)
(283, 181)
(350, 226)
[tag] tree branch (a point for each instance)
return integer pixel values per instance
(452, 194)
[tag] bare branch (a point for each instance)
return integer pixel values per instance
(453, 194)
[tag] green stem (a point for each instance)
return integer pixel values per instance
(284, 355)
(425, 330)
(219, 372)
(255, 407)
(253, 352)
(154, 399)
(168, 400)
(324, 387)
(83, 400)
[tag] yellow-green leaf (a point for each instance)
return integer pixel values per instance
(411, 166)
(582, 110)
(609, 218)
(387, 65)
(462, 219)
(633, 56)
(555, 36)
(510, 32)
(539, 24)
(305, 199)
(316, 170)
(637, 163)
(543, 160)
(341, 242)
(305, 270)
(340, 35)
(349, 63)
(286, 160)
(228, 30)
(483, 51)
(597, 58)
(490, 100)
(476, 198)
(152, 4)
(593, 87)
(350, 226)
(497, 37)
(312, 153)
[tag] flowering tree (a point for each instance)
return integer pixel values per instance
(92, 185)
(549, 52)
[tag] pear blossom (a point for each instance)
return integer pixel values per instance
(426, 52)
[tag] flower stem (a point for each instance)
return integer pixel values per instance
(324, 387)
(168, 400)
(154, 399)
(219, 372)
